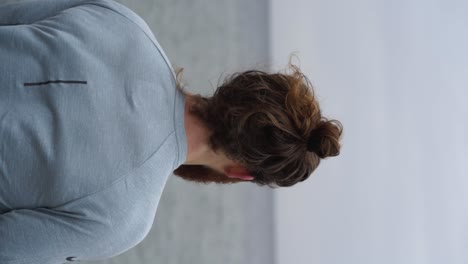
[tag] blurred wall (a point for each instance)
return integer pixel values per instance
(395, 73)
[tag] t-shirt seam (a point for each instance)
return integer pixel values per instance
(146, 34)
(126, 175)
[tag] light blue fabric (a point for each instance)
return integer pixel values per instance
(91, 127)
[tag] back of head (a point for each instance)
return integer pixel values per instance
(271, 123)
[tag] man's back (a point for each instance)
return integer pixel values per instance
(88, 131)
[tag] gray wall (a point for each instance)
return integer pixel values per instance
(208, 224)
(395, 72)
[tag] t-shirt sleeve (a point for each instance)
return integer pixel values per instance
(97, 226)
(48, 236)
(17, 12)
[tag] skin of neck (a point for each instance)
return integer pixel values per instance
(199, 152)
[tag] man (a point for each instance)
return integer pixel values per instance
(93, 122)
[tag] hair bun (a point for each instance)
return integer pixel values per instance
(324, 139)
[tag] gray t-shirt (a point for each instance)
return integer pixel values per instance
(91, 127)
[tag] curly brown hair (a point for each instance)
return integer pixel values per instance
(264, 121)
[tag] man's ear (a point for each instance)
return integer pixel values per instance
(246, 177)
(239, 173)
